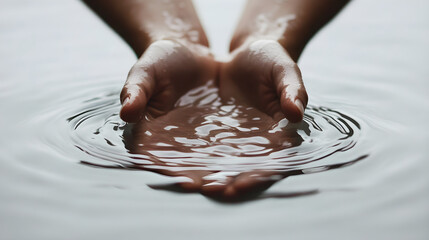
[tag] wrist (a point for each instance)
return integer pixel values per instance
(291, 44)
(144, 39)
(190, 36)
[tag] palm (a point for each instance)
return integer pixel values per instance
(166, 71)
(263, 75)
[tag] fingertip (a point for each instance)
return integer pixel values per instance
(192, 186)
(230, 192)
(131, 110)
(292, 92)
(293, 110)
(300, 106)
(125, 100)
(213, 190)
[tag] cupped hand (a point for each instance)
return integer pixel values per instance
(165, 71)
(262, 74)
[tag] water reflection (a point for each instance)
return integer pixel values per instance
(227, 152)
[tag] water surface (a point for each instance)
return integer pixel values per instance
(62, 69)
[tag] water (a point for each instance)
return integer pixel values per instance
(355, 167)
(219, 144)
(221, 137)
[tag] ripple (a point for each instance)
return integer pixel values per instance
(203, 134)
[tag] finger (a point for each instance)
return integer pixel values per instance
(245, 186)
(254, 183)
(136, 93)
(290, 88)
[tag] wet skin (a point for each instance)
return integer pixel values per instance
(263, 75)
(154, 148)
(173, 57)
(230, 186)
(166, 71)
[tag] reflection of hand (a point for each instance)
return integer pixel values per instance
(263, 75)
(171, 152)
(165, 71)
(245, 186)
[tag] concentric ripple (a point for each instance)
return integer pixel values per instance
(204, 134)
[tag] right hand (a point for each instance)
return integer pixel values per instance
(262, 74)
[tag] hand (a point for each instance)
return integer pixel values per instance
(263, 75)
(166, 70)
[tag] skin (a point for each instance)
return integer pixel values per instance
(172, 50)
(263, 75)
(234, 187)
(173, 57)
(166, 71)
(265, 48)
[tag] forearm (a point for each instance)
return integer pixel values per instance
(141, 22)
(290, 22)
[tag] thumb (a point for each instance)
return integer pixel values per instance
(292, 93)
(136, 93)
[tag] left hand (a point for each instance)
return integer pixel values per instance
(165, 71)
